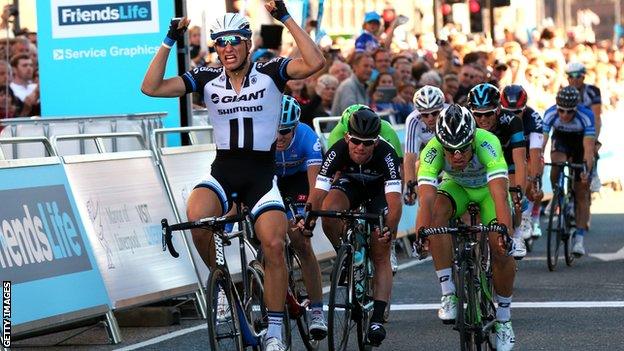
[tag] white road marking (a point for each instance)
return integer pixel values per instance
(514, 305)
(619, 255)
(163, 337)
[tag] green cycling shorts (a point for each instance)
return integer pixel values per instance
(460, 198)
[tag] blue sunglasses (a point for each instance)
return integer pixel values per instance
(228, 39)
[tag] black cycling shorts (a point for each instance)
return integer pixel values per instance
(361, 194)
(296, 188)
(570, 144)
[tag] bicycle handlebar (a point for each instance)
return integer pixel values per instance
(423, 233)
(348, 215)
(582, 166)
(205, 223)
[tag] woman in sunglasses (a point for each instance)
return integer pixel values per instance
(298, 156)
(484, 102)
(244, 101)
(474, 171)
(574, 137)
(370, 174)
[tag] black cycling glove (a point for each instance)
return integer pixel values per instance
(280, 12)
(174, 34)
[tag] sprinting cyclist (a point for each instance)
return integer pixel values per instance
(484, 102)
(513, 100)
(474, 171)
(370, 174)
(298, 156)
(243, 101)
(573, 139)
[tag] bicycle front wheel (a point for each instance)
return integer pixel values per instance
(224, 331)
(555, 226)
(340, 314)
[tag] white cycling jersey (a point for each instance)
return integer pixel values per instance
(417, 134)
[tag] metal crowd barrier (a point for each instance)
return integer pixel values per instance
(49, 127)
(121, 198)
(45, 249)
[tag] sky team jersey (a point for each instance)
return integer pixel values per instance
(387, 133)
(417, 134)
(533, 131)
(487, 163)
(304, 151)
(590, 95)
(581, 124)
(510, 133)
(382, 170)
(248, 120)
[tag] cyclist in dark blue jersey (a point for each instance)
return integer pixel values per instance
(574, 137)
(243, 99)
(299, 158)
(513, 100)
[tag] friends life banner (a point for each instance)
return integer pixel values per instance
(93, 55)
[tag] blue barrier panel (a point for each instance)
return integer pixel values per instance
(44, 250)
(96, 55)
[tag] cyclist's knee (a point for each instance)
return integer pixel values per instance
(202, 203)
(273, 249)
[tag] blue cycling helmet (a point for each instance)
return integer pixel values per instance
(484, 96)
(291, 111)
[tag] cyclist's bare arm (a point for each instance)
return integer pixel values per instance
(597, 110)
(312, 173)
(589, 143)
(535, 162)
(409, 166)
(393, 217)
(426, 199)
(154, 83)
(519, 158)
(498, 189)
(312, 58)
(316, 197)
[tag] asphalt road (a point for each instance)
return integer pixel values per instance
(573, 308)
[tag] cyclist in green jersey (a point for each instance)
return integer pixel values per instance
(387, 133)
(474, 171)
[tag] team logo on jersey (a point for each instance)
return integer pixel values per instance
(214, 98)
(222, 78)
(489, 148)
(430, 155)
(506, 118)
(317, 146)
(238, 98)
(253, 79)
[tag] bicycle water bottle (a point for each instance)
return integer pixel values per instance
(358, 272)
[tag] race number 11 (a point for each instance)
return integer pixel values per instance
(6, 313)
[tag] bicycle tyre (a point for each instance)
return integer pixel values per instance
(365, 307)
(303, 321)
(567, 239)
(339, 318)
(555, 219)
(229, 327)
(460, 319)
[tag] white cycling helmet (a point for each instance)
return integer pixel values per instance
(575, 67)
(230, 23)
(428, 98)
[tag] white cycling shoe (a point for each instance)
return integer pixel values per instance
(505, 338)
(394, 264)
(274, 344)
(537, 230)
(578, 249)
(519, 248)
(448, 309)
(525, 226)
(318, 326)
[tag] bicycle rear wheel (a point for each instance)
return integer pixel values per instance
(224, 332)
(555, 226)
(567, 238)
(295, 284)
(460, 320)
(365, 307)
(340, 315)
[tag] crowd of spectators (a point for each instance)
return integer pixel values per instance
(19, 69)
(379, 70)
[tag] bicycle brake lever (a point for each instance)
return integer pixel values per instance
(167, 239)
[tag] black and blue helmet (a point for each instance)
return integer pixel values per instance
(484, 96)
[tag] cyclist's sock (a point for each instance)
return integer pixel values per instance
(536, 211)
(316, 308)
(379, 308)
(503, 311)
(275, 325)
(445, 276)
(579, 232)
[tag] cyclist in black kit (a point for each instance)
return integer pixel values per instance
(369, 170)
(484, 103)
(243, 100)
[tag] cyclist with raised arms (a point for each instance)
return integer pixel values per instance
(419, 129)
(484, 102)
(369, 174)
(298, 154)
(243, 101)
(573, 138)
(474, 171)
(513, 100)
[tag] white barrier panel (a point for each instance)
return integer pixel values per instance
(122, 199)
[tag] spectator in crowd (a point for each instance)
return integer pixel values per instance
(197, 56)
(382, 59)
(469, 76)
(403, 73)
(5, 73)
(450, 86)
(406, 106)
(321, 103)
(20, 45)
(382, 93)
(6, 29)
(340, 70)
(369, 41)
(431, 77)
(8, 108)
(353, 90)
(22, 85)
(296, 89)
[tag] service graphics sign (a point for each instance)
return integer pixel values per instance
(95, 53)
(44, 250)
